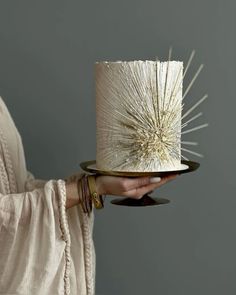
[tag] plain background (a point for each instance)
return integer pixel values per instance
(47, 54)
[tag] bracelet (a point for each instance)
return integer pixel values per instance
(97, 199)
(88, 192)
(86, 200)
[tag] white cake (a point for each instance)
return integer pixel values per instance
(138, 115)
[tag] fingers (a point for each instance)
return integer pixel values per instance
(132, 187)
(134, 182)
(138, 192)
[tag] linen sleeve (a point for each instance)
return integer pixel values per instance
(31, 182)
(34, 239)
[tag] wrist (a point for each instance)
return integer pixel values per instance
(99, 186)
(72, 195)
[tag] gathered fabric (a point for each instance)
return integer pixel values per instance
(45, 249)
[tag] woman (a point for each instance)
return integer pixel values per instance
(46, 244)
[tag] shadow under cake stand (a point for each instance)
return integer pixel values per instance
(146, 200)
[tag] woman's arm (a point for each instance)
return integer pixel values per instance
(121, 186)
(106, 185)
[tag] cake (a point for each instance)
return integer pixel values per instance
(138, 115)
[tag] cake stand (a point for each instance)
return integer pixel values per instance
(146, 200)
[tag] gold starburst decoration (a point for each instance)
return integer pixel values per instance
(139, 115)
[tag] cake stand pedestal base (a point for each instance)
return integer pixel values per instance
(146, 200)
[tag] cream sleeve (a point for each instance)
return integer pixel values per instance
(34, 240)
(31, 182)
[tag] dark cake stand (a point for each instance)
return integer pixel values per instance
(146, 200)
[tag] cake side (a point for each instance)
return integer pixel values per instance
(138, 115)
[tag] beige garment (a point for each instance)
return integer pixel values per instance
(44, 248)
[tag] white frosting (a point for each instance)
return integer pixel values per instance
(138, 115)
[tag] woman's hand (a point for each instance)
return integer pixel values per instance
(134, 187)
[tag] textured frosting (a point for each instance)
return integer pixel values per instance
(138, 115)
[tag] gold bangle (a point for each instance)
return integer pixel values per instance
(97, 199)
